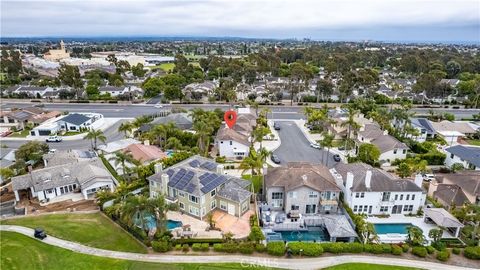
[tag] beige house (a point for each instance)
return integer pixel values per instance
(57, 55)
(456, 189)
(198, 185)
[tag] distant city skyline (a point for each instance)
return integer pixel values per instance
(379, 20)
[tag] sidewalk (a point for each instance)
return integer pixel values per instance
(280, 262)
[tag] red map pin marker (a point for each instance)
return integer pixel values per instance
(230, 118)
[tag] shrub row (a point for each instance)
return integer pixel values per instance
(200, 247)
(472, 253)
(306, 248)
(276, 248)
(443, 255)
(192, 241)
(419, 251)
(161, 246)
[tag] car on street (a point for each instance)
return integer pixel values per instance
(39, 233)
(158, 106)
(337, 158)
(54, 139)
(315, 145)
(428, 177)
(275, 159)
(276, 126)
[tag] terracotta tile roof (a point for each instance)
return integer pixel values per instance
(145, 153)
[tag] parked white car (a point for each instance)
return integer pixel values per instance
(54, 139)
(428, 177)
(315, 145)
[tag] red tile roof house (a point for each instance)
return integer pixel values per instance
(145, 153)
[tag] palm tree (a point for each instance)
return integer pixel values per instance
(121, 158)
(258, 133)
(350, 123)
(159, 132)
(415, 235)
(95, 135)
(265, 111)
(139, 121)
(252, 162)
(204, 131)
(327, 142)
(173, 143)
(126, 128)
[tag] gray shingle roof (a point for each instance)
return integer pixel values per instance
(181, 120)
(442, 217)
(468, 153)
(75, 118)
(381, 180)
(424, 123)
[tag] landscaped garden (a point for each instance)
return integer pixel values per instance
(367, 266)
(93, 230)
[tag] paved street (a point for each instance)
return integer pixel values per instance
(246, 261)
(111, 133)
(295, 147)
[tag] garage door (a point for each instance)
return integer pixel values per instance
(231, 209)
(44, 132)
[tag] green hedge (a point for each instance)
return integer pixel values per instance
(397, 250)
(192, 241)
(334, 248)
(419, 251)
(185, 247)
(161, 246)
(443, 255)
(405, 247)
(308, 248)
(276, 248)
(260, 248)
(352, 247)
(456, 251)
(246, 247)
(472, 253)
(178, 247)
(430, 249)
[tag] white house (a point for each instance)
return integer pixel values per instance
(85, 177)
(424, 129)
(231, 143)
(31, 91)
(468, 156)
(113, 90)
(373, 191)
(75, 122)
(390, 148)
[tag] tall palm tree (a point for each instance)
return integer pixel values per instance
(121, 158)
(327, 142)
(252, 162)
(258, 133)
(204, 131)
(95, 135)
(415, 235)
(139, 121)
(173, 143)
(159, 132)
(350, 123)
(126, 128)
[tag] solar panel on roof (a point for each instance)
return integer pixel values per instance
(194, 163)
(190, 188)
(209, 165)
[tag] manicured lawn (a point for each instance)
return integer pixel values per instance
(473, 142)
(256, 180)
(22, 252)
(71, 133)
(165, 66)
(21, 134)
(367, 266)
(93, 230)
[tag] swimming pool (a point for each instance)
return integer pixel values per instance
(384, 228)
(313, 234)
(171, 224)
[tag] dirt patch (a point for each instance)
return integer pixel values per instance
(9, 195)
(33, 206)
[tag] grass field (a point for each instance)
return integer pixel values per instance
(474, 142)
(93, 230)
(366, 266)
(165, 67)
(20, 134)
(22, 252)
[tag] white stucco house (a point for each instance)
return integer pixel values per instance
(372, 191)
(390, 148)
(468, 156)
(113, 90)
(231, 143)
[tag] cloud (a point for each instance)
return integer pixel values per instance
(252, 18)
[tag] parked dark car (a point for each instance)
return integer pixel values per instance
(336, 157)
(276, 126)
(275, 159)
(40, 233)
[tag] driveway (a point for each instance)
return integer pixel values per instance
(296, 148)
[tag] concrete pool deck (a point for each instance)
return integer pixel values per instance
(396, 237)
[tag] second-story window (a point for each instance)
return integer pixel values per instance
(213, 192)
(193, 199)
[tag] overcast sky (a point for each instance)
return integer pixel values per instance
(391, 20)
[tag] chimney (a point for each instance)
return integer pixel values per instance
(349, 184)
(158, 168)
(165, 180)
(368, 179)
(265, 169)
(220, 168)
(418, 180)
(146, 142)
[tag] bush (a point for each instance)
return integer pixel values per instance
(309, 249)
(334, 248)
(430, 249)
(260, 248)
(193, 241)
(419, 251)
(472, 253)
(374, 249)
(205, 247)
(276, 248)
(405, 247)
(443, 255)
(387, 248)
(440, 246)
(178, 247)
(185, 248)
(160, 246)
(218, 247)
(246, 248)
(352, 248)
(230, 247)
(396, 250)
(196, 247)
(456, 251)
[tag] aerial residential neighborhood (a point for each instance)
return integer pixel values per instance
(324, 134)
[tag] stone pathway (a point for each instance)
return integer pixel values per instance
(247, 261)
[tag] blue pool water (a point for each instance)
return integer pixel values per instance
(311, 235)
(400, 228)
(171, 224)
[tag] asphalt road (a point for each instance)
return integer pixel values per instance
(111, 133)
(295, 147)
(134, 110)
